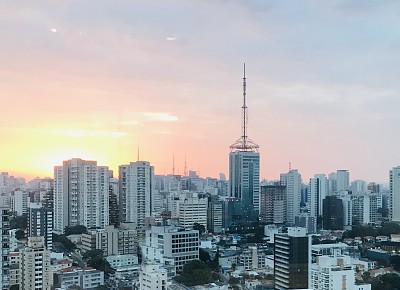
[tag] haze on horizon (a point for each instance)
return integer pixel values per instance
(92, 79)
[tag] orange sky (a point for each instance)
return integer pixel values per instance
(92, 81)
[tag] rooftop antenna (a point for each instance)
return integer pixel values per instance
(290, 166)
(138, 151)
(244, 143)
(185, 168)
(173, 164)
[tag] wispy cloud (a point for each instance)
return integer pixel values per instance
(84, 133)
(142, 117)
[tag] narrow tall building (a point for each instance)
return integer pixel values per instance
(5, 248)
(318, 190)
(394, 194)
(342, 180)
(273, 204)
(292, 181)
(40, 223)
(136, 188)
(81, 194)
(292, 259)
(244, 169)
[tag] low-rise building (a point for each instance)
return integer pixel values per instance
(153, 276)
(86, 278)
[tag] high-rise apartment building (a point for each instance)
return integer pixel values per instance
(292, 259)
(5, 248)
(35, 265)
(40, 223)
(136, 188)
(292, 181)
(318, 190)
(81, 194)
(394, 194)
(273, 204)
(342, 180)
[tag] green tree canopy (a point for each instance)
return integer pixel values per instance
(195, 273)
(75, 230)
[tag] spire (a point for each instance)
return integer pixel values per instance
(244, 143)
(138, 151)
(173, 164)
(185, 169)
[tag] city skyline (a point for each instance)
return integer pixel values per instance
(92, 81)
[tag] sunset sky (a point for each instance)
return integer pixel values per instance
(92, 79)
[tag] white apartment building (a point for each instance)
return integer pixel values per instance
(334, 273)
(164, 244)
(252, 259)
(87, 278)
(153, 276)
(136, 189)
(358, 186)
(111, 240)
(19, 202)
(318, 190)
(365, 208)
(394, 203)
(292, 181)
(35, 265)
(122, 261)
(81, 191)
(193, 210)
(342, 180)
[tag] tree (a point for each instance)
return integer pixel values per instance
(204, 255)
(75, 230)
(199, 227)
(19, 222)
(102, 287)
(68, 245)
(19, 234)
(95, 259)
(195, 273)
(14, 287)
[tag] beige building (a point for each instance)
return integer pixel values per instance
(111, 240)
(35, 265)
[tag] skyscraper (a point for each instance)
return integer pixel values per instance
(316, 194)
(342, 180)
(136, 188)
(292, 180)
(81, 190)
(40, 223)
(394, 194)
(244, 168)
(292, 259)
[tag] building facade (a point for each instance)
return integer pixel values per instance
(81, 194)
(40, 223)
(292, 257)
(136, 188)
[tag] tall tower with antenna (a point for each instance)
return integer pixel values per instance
(244, 169)
(244, 143)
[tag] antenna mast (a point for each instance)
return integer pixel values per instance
(244, 143)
